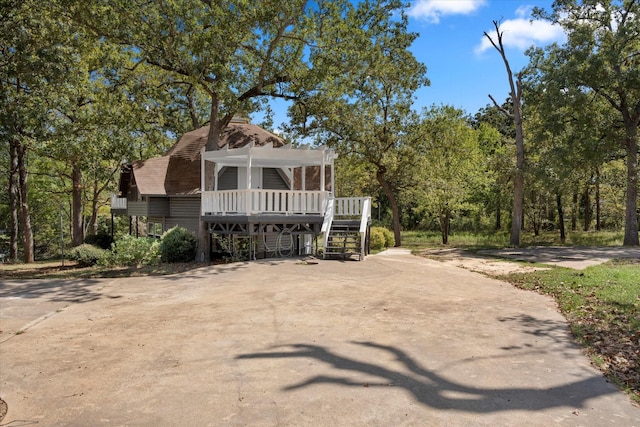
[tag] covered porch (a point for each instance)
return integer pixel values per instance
(300, 192)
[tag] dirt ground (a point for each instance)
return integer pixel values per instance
(506, 261)
(488, 265)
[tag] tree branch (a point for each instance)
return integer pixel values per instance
(501, 108)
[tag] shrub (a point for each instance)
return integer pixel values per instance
(87, 255)
(389, 239)
(101, 240)
(178, 245)
(129, 251)
(376, 238)
(381, 238)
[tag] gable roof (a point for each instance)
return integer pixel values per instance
(235, 135)
(149, 176)
(178, 171)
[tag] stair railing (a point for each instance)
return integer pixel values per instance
(365, 217)
(326, 224)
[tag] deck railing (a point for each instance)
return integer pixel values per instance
(251, 202)
(351, 206)
(118, 202)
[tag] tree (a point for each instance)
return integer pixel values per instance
(364, 107)
(567, 122)
(602, 55)
(238, 53)
(451, 169)
(33, 51)
(496, 138)
(515, 93)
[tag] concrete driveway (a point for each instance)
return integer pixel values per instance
(393, 340)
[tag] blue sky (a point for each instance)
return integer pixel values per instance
(462, 67)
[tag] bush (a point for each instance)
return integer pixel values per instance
(101, 240)
(178, 245)
(87, 255)
(376, 238)
(389, 239)
(130, 251)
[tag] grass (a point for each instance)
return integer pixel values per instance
(500, 239)
(602, 305)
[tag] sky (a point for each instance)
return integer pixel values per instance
(462, 66)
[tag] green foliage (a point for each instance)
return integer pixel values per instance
(380, 238)
(178, 245)
(452, 164)
(102, 240)
(133, 251)
(376, 238)
(363, 106)
(87, 255)
(602, 304)
(389, 240)
(596, 72)
(499, 239)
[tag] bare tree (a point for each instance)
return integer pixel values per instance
(516, 115)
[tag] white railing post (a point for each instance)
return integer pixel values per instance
(365, 217)
(326, 224)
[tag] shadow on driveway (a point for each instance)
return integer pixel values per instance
(59, 290)
(433, 390)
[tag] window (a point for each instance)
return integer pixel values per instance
(154, 229)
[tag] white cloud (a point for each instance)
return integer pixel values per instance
(523, 11)
(433, 10)
(521, 33)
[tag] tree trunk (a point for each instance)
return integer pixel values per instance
(25, 215)
(213, 138)
(14, 200)
(631, 208)
(195, 123)
(586, 202)
(598, 209)
(563, 237)
(574, 212)
(93, 223)
(77, 230)
(518, 199)
(499, 209)
(445, 223)
(395, 210)
(515, 92)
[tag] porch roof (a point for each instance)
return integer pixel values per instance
(268, 156)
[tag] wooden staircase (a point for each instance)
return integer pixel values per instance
(344, 240)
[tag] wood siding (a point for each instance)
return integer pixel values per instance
(272, 180)
(228, 179)
(185, 212)
(158, 206)
(135, 208)
(180, 207)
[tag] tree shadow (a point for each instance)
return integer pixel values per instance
(53, 290)
(204, 271)
(432, 389)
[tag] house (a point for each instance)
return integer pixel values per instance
(257, 196)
